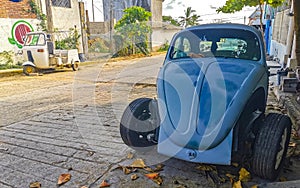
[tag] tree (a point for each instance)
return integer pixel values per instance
(189, 19)
(236, 5)
(232, 6)
(170, 20)
(297, 29)
(134, 30)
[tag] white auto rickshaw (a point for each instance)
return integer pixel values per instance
(40, 54)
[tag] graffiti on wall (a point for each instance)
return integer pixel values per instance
(18, 33)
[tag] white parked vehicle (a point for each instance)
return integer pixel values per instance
(40, 54)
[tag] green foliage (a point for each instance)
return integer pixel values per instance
(98, 45)
(170, 20)
(164, 47)
(133, 31)
(232, 6)
(6, 60)
(36, 10)
(189, 18)
(122, 49)
(70, 42)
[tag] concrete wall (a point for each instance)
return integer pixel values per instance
(280, 36)
(15, 21)
(65, 18)
(12, 30)
(98, 28)
(281, 26)
(163, 34)
(120, 5)
(278, 50)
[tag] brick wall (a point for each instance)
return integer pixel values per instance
(11, 9)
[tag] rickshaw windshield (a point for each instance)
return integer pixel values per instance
(35, 40)
(226, 43)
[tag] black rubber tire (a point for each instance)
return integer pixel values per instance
(136, 123)
(274, 134)
(28, 69)
(75, 66)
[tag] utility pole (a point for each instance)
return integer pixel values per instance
(83, 28)
(49, 16)
(93, 10)
(111, 25)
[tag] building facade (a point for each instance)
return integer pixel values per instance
(283, 44)
(114, 9)
(17, 17)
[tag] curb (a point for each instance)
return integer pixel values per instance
(10, 72)
(289, 101)
(287, 184)
(101, 59)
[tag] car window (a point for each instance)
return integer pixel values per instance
(34, 40)
(182, 47)
(225, 43)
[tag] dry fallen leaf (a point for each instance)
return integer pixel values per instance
(139, 163)
(104, 183)
(244, 175)
(282, 179)
(63, 178)
(148, 169)
(35, 185)
(129, 155)
(134, 177)
(126, 170)
(292, 144)
(158, 180)
(231, 177)
(205, 168)
(84, 187)
(254, 186)
(152, 175)
(159, 167)
(237, 184)
(235, 164)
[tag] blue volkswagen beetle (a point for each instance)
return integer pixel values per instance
(211, 97)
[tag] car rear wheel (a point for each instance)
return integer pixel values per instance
(28, 69)
(139, 126)
(271, 146)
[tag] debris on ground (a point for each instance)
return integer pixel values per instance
(104, 183)
(63, 178)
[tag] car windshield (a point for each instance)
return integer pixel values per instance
(226, 43)
(35, 40)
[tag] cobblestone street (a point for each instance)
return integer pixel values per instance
(68, 122)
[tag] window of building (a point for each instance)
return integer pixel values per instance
(61, 3)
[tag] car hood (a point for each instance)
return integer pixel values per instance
(201, 99)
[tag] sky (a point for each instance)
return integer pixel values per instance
(206, 9)
(175, 8)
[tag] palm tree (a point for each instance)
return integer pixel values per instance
(189, 18)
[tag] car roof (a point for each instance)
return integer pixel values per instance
(224, 26)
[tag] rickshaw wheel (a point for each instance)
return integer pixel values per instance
(137, 127)
(28, 69)
(271, 146)
(75, 66)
